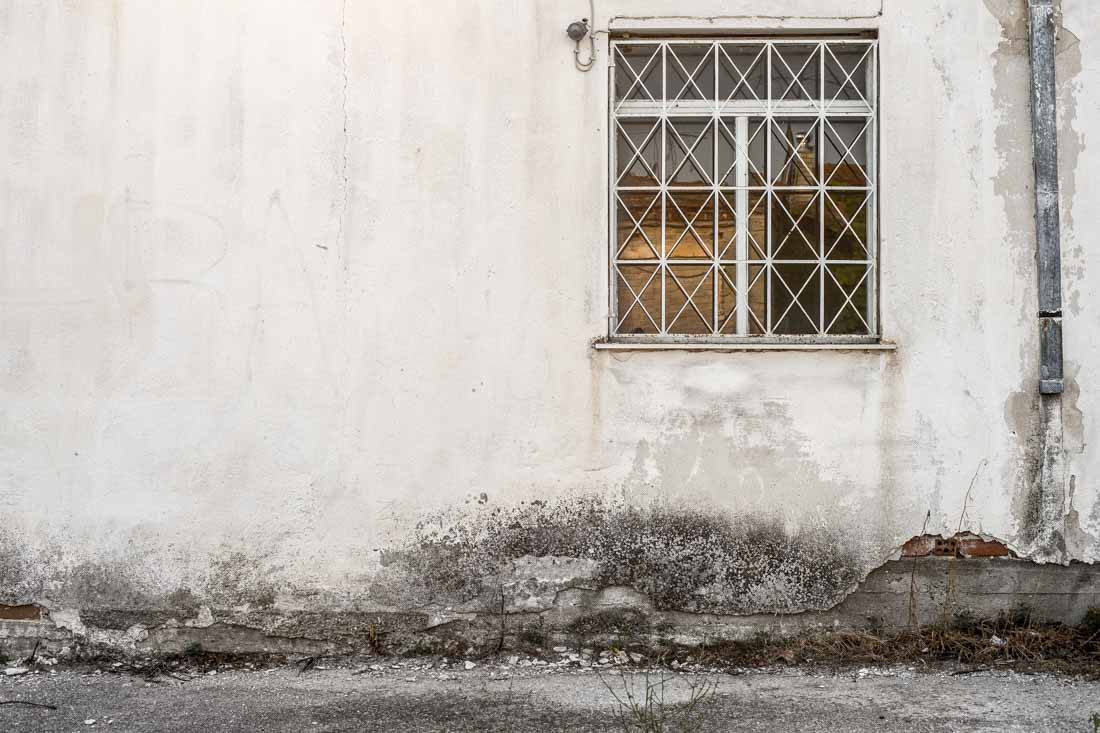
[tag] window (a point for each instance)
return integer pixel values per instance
(743, 196)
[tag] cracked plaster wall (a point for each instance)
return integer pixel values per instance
(276, 284)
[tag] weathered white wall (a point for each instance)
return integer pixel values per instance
(277, 280)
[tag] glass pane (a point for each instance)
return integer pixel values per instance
(638, 72)
(638, 152)
(689, 291)
(639, 225)
(794, 152)
(846, 151)
(690, 71)
(639, 299)
(794, 225)
(846, 299)
(846, 225)
(795, 298)
(742, 72)
(795, 71)
(689, 152)
(689, 229)
(846, 69)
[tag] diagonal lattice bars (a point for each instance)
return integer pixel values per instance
(743, 201)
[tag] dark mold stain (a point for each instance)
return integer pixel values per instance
(237, 578)
(17, 581)
(129, 581)
(682, 559)
(102, 585)
(1022, 415)
(184, 601)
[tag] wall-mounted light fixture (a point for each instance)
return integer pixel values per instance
(578, 30)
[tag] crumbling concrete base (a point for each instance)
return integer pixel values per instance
(560, 607)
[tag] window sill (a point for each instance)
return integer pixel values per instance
(609, 345)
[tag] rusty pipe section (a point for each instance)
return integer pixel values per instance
(1044, 141)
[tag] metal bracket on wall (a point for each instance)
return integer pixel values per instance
(1050, 355)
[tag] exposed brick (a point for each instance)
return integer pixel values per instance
(963, 545)
(25, 612)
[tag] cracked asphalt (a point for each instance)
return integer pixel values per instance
(501, 698)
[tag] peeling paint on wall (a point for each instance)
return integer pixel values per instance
(960, 545)
(1012, 184)
(1040, 476)
(262, 311)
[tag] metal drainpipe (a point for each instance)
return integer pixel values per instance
(1046, 517)
(1044, 142)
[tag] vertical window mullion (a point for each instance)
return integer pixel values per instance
(768, 120)
(741, 196)
(820, 144)
(715, 274)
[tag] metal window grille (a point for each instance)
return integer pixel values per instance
(743, 196)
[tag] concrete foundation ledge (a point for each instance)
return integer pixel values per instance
(905, 593)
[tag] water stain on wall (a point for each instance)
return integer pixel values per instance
(680, 558)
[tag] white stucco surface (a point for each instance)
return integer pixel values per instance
(278, 279)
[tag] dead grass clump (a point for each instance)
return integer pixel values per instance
(1091, 622)
(643, 708)
(192, 660)
(628, 624)
(1012, 638)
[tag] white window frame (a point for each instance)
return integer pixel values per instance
(736, 329)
